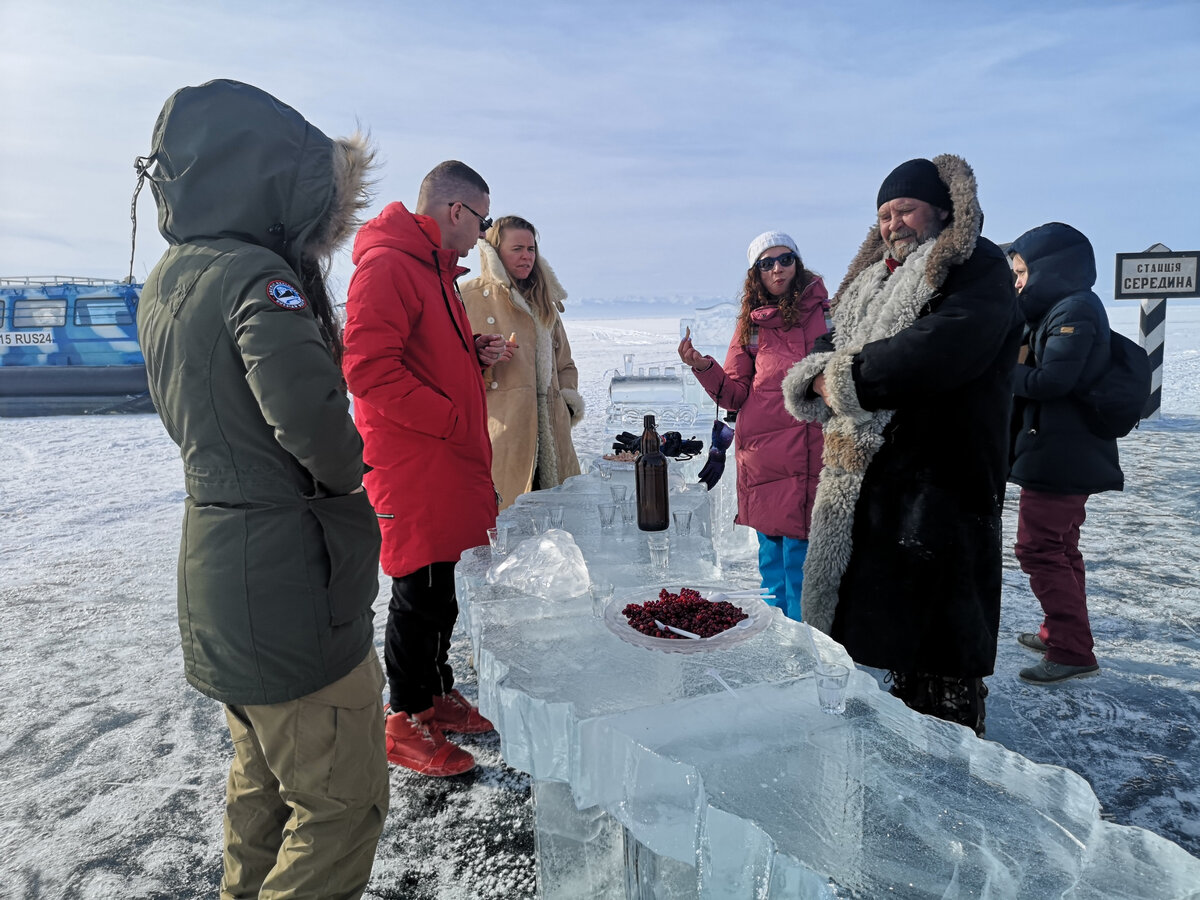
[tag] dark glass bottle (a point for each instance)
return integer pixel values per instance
(650, 481)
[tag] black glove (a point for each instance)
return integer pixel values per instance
(824, 344)
(674, 445)
(722, 437)
(627, 443)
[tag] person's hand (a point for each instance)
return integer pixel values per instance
(690, 355)
(491, 349)
(509, 346)
(818, 388)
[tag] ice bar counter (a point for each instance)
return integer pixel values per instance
(714, 774)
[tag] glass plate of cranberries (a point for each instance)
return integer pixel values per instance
(631, 617)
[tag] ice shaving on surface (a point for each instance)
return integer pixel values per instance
(687, 610)
(546, 565)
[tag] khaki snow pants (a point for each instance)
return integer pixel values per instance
(307, 792)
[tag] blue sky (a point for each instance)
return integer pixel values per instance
(649, 142)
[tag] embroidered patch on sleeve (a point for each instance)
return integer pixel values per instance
(1067, 329)
(286, 295)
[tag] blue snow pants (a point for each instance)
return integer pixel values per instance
(781, 566)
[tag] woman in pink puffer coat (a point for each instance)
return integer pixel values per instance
(784, 310)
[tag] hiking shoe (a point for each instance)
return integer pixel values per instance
(454, 712)
(1047, 672)
(1031, 641)
(416, 742)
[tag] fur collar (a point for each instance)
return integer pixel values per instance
(952, 247)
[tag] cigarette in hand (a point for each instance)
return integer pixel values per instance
(513, 336)
(687, 333)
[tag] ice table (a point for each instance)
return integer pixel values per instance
(652, 781)
(621, 553)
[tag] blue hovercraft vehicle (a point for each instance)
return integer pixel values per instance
(69, 346)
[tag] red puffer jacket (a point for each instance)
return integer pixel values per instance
(418, 391)
(778, 458)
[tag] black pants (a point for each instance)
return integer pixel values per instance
(421, 617)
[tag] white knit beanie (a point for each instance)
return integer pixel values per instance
(766, 241)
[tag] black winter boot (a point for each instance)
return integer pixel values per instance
(946, 697)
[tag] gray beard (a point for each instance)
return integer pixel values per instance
(909, 246)
(902, 251)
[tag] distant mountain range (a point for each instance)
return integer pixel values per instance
(639, 307)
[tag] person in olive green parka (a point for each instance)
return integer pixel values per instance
(278, 565)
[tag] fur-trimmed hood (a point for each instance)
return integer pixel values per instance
(952, 247)
(228, 160)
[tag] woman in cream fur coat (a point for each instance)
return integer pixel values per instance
(533, 399)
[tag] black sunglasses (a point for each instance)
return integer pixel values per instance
(484, 224)
(767, 263)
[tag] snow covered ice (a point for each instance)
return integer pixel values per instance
(113, 768)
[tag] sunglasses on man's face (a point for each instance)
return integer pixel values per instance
(767, 263)
(484, 224)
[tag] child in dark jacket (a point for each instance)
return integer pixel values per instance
(1056, 459)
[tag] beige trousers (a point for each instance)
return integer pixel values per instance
(307, 792)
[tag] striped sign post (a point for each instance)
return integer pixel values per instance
(1152, 277)
(1152, 335)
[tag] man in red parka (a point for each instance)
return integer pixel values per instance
(414, 369)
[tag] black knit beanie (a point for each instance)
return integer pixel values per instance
(917, 178)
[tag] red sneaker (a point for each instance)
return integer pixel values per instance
(416, 742)
(454, 712)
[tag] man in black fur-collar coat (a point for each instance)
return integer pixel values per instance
(913, 390)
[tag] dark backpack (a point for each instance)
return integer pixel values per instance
(1113, 404)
